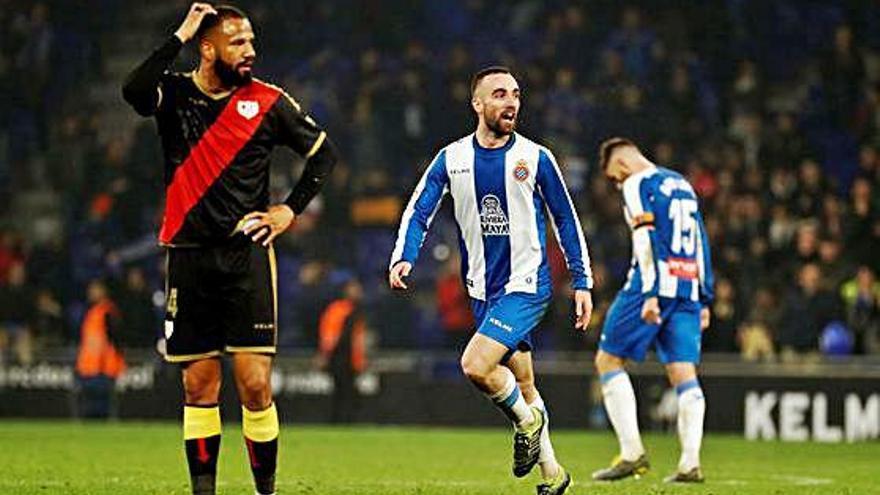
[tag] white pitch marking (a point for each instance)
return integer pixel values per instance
(803, 480)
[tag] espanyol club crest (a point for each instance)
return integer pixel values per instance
(521, 171)
(248, 108)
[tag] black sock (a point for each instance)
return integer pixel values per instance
(201, 454)
(263, 458)
(201, 427)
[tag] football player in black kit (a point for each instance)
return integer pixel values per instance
(218, 125)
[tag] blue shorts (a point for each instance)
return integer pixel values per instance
(511, 318)
(676, 339)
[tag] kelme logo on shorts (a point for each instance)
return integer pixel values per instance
(492, 217)
(500, 324)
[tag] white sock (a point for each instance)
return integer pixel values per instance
(547, 457)
(691, 410)
(511, 402)
(620, 404)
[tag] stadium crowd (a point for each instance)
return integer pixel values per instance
(771, 109)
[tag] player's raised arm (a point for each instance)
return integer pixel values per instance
(417, 217)
(142, 89)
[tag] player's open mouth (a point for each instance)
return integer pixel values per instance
(508, 116)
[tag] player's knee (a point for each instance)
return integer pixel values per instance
(255, 390)
(474, 369)
(255, 382)
(201, 389)
(680, 372)
(606, 362)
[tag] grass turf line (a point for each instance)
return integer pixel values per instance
(146, 458)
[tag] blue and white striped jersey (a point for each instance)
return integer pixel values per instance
(500, 198)
(676, 263)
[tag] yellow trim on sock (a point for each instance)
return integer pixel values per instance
(200, 422)
(260, 426)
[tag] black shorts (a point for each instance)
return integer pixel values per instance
(220, 298)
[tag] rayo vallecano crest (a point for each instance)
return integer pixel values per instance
(248, 108)
(492, 217)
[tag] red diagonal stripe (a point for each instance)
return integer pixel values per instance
(212, 155)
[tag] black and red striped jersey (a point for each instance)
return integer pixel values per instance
(217, 149)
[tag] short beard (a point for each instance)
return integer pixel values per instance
(495, 127)
(228, 76)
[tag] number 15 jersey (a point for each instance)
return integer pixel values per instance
(679, 263)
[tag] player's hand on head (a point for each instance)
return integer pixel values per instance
(264, 227)
(190, 24)
(583, 309)
(651, 311)
(705, 317)
(398, 274)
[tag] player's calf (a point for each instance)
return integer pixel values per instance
(259, 417)
(691, 412)
(260, 430)
(201, 433)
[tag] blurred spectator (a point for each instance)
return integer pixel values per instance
(755, 335)
(453, 306)
(863, 224)
(342, 349)
(16, 311)
(10, 254)
(721, 335)
(812, 187)
(49, 325)
(807, 309)
(785, 145)
(834, 268)
(746, 92)
(139, 324)
(843, 73)
(99, 361)
(637, 45)
(861, 299)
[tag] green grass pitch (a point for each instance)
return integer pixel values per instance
(146, 458)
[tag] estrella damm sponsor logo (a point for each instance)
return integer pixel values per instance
(262, 327)
(521, 171)
(492, 217)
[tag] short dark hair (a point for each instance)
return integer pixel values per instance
(488, 71)
(608, 146)
(211, 21)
